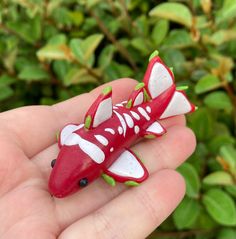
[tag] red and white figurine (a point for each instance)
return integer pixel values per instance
(101, 145)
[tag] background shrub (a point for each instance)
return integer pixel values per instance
(53, 50)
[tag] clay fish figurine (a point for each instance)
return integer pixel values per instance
(101, 145)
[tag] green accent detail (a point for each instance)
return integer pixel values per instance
(139, 86)
(146, 96)
(107, 90)
(149, 136)
(87, 122)
(57, 135)
(138, 156)
(131, 183)
(172, 70)
(111, 181)
(154, 54)
(182, 87)
(129, 104)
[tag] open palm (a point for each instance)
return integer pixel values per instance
(28, 144)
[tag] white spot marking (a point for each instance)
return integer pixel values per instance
(122, 121)
(101, 139)
(139, 99)
(148, 109)
(114, 107)
(103, 113)
(92, 150)
(67, 131)
(127, 165)
(120, 104)
(143, 113)
(112, 131)
(111, 149)
(136, 129)
(129, 120)
(120, 130)
(135, 115)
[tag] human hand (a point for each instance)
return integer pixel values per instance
(27, 210)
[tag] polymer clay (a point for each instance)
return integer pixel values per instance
(101, 145)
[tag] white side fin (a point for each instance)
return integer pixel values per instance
(158, 77)
(178, 105)
(155, 129)
(66, 132)
(100, 111)
(127, 167)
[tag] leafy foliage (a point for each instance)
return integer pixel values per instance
(53, 50)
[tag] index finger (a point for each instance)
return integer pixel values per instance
(34, 127)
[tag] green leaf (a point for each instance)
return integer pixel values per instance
(160, 31)
(6, 80)
(78, 76)
(207, 83)
(191, 179)
(5, 92)
(176, 12)
(106, 56)
(90, 44)
(218, 100)
(33, 73)
(202, 124)
(179, 38)
(218, 178)
(186, 213)
(226, 233)
(76, 48)
(57, 40)
(222, 36)
(220, 206)
(139, 44)
(227, 12)
(231, 189)
(54, 52)
(83, 50)
(228, 153)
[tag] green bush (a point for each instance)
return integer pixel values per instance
(53, 50)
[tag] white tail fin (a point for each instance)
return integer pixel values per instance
(178, 105)
(158, 77)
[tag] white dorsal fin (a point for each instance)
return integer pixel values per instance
(66, 132)
(155, 129)
(178, 105)
(100, 110)
(127, 167)
(138, 96)
(158, 77)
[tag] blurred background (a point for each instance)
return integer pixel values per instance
(53, 50)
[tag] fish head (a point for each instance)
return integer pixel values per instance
(72, 171)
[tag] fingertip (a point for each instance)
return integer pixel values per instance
(173, 184)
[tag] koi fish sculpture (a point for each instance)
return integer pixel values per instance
(101, 145)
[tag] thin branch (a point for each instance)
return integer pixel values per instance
(112, 38)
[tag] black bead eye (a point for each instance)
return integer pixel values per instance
(53, 162)
(83, 182)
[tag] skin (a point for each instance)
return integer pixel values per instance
(28, 144)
